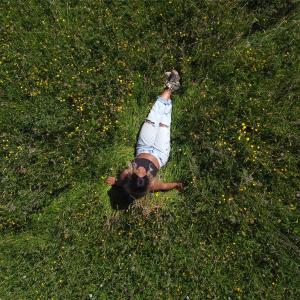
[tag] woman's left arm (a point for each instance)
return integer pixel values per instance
(165, 186)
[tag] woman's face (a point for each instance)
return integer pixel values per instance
(140, 171)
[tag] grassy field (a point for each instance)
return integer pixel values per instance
(77, 78)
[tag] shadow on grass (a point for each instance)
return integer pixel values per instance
(119, 199)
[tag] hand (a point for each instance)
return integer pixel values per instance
(179, 186)
(110, 180)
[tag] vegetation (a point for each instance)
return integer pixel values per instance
(77, 79)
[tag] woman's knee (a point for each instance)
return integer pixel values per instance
(150, 122)
(163, 125)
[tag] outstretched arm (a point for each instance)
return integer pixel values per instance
(165, 186)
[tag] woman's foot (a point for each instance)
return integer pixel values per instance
(172, 80)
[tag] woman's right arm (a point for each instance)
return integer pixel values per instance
(110, 180)
(124, 174)
(119, 182)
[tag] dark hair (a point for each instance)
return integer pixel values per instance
(138, 185)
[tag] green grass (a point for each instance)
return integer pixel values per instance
(77, 79)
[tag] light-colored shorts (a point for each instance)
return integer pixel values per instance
(155, 139)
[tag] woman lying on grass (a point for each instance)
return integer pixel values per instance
(153, 147)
